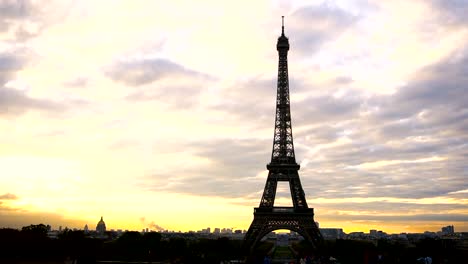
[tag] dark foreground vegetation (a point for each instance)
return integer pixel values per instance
(373, 252)
(32, 245)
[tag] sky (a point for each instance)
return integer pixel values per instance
(160, 114)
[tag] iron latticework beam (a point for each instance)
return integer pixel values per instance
(283, 147)
(283, 167)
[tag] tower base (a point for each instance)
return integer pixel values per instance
(270, 219)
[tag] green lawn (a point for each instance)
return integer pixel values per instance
(282, 252)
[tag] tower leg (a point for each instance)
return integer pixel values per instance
(266, 222)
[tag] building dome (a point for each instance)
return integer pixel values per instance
(101, 226)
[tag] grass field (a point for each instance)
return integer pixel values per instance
(282, 252)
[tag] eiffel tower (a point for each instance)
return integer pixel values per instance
(283, 167)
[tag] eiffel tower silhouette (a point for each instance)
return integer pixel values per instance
(283, 167)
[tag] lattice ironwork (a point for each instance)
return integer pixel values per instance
(283, 147)
(283, 167)
(283, 173)
(300, 222)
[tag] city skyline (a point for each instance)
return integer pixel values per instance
(444, 230)
(163, 113)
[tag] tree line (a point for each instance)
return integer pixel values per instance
(32, 243)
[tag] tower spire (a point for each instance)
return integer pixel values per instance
(282, 25)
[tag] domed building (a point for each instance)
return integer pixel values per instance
(101, 227)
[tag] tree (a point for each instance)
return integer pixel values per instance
(152, 244)
(130, 245)
(39, 230)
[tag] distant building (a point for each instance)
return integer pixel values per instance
(86, 229)
(226, 231)
(332, 233)
(448, 230)
(356, 235)
(377, 233)
(101, 227)
(205, 231)
(402, 236)
(429, 234)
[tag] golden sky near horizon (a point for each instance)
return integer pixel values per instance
(161, 112)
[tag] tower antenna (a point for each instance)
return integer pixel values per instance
(282, 25)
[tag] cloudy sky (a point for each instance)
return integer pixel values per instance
(160, 114)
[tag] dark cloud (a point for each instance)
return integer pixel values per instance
(251, 102)
(26, 19)
(326, 108)
(11, 62)
(402, 218)
(427, 118)
(8, 196)
(431, 179)
(14, 10)
(433, 105)
(346, 171)
(136, 72)
(410, 144)
(14, 102)
(248, 102)
(389, 208)
(437, 93)
(230, 172)
(312, 26)
(17, 101)
(452, 11)
(148, 76)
